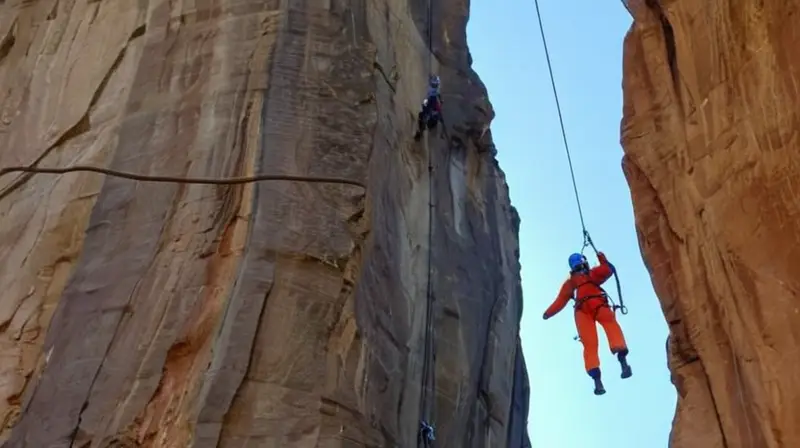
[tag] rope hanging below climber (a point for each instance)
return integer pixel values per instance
(593, 304)
(430, 107)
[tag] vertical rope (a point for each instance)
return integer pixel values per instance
(430, 36)
(561, 119)
(587, 240)
(427, 376)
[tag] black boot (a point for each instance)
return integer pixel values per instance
(622, 357)
(599, 389)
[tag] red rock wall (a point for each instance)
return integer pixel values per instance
(273, 314)
(710, 133)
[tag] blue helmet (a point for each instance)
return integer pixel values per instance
(577, 261)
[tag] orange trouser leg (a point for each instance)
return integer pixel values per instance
(587, 331)
(616, 340)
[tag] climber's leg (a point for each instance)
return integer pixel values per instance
(433, 120)
(420, 124)
(616, 339)
(422, 119)
(587, 331)
(599, 389)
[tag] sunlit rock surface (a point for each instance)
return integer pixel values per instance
(274, 314)
(710, 132)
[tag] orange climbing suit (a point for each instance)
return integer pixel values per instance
(591, 307)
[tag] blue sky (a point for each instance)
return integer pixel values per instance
(585, 43)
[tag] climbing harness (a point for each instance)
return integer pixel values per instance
(609, 302)
(587, 240)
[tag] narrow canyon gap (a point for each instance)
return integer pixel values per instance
(272, 314)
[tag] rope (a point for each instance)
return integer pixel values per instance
(587, 240)
(561, 121)
(621, 307)
(169, 179)
(430, 36)
(426, 431)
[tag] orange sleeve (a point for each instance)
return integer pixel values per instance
(561, 301)
(601, 272)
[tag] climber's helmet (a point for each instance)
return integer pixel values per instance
(577, 262)
(434, 82)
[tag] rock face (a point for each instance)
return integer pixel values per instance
(273, 314)
(710, 135)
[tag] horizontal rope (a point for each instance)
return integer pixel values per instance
(173, 179)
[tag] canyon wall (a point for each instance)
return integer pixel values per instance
(710, 133)
(270, 314)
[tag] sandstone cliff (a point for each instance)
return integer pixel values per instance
(273, 314)
(710, 132)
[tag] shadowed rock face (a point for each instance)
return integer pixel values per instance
(272, 314)
(710, 136)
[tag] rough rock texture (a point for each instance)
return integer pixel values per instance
(272, 314)
(711, 141)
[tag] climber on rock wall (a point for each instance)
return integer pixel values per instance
(431, 108)
(592, 307)
(427, 432)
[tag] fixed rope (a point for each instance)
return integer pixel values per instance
(426, 429)
(587, 239)
(430, 36)
(171, 179)
(614, 307)
(561, 121)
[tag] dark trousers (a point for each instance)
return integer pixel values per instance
(429, 115)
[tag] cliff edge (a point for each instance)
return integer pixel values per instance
(710, 133)
(271, 314)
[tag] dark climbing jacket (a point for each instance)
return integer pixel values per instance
(433, 102)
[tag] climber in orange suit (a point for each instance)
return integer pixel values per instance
(592, 307)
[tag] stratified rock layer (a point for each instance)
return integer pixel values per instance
(274, 314)
(711, 136)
